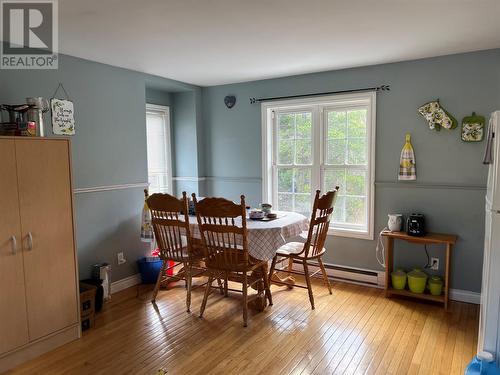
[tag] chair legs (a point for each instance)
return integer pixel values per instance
(226, 286)
(245, 306)
(271, 271)
(290, 266)
(307, 275)
(189, 281)
(221, 287)
(158, 281)
(325, 276)
(267, 290)
(308, 281)
(207, 292)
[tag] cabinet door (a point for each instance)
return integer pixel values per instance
(47, 227)
(13, 321)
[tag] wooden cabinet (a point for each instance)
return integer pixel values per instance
(38, 278)
(13, 317)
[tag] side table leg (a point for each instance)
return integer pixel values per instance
(447, 276)
(388, 264)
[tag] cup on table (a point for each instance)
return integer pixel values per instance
(266, 207)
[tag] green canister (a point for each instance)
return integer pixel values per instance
(435, 285)
(417, 280)
(398, 279)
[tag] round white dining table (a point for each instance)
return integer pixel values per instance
(266, 237)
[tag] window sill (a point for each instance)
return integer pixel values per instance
(350, 233)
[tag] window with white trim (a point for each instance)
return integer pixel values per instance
(320, 143)
(158, 148)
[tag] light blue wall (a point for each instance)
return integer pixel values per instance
(109, 148)
(451, 178)
(189, 142)
(158, 97)
(225, 147)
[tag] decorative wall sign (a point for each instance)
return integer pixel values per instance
(437, 117)
(473, 128)
(230, 101)
(63, 120)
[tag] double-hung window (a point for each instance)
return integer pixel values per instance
(320, 143)
(158, 149)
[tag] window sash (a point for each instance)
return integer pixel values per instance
(366, 196)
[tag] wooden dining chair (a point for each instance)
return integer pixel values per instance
(223, 228)
(313, 249)
(169, 217)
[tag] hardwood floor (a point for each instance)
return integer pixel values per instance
(354, 331)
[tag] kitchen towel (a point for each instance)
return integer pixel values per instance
(146, 225)
(407, 170)
(488, 152)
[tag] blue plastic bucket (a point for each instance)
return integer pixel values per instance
(149, 268)
(480, 366)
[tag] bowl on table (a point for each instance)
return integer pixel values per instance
(257, 215)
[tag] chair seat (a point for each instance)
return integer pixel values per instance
(217, 262)
(294, 249)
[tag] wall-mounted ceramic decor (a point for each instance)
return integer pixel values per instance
(63, 120)
(230, 101)
(473, 128)
(407, 167)
(437, 117)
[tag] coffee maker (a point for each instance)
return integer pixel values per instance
(415, 225)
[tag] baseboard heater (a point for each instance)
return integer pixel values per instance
(352, 275)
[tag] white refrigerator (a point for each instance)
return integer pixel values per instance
(489, 321)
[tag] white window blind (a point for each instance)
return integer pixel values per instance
(158, 149)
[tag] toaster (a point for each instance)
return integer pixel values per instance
(415, 225)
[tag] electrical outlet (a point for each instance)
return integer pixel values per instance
(434, 264)
(121, 258)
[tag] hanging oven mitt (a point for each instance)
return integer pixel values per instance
(437, 117)
(407, 170)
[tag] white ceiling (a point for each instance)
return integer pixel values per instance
(210, 42)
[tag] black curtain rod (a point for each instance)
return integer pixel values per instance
(379, 88)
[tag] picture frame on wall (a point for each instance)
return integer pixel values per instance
(63, 119)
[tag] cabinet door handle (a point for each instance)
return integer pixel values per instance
(14, 244)
(30, 241)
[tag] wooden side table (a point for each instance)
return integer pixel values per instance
(431, 238)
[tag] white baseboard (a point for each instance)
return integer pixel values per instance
(465, 296)
(125, 283)
(378, 281)
(455, 294)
